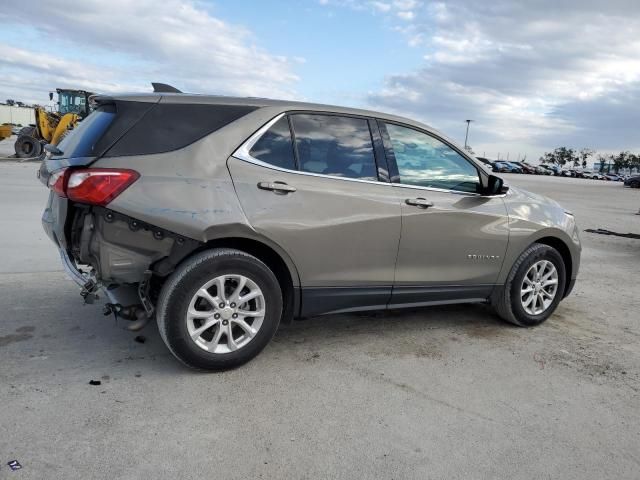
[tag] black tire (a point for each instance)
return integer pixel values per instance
(182, 285)
(506, 300)
(27, 147)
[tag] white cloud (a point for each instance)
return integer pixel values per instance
(525, 71)
(175, 41)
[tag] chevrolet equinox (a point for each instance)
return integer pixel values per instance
(222, 217)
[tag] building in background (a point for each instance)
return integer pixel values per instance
(18, 115)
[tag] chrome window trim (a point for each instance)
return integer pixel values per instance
(242, 153)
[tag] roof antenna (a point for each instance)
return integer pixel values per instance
(164, 88)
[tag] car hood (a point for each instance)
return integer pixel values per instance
(521, 195)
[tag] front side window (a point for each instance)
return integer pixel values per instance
(275, 146)
(427, 162)
(334, 145)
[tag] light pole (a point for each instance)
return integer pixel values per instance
(466, 136)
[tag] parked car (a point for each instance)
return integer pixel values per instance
(592, 175)
(486, 163)
(525, 167)
(252, 212)
(633, 182)
(613, 177)
(569, 172)
(547, 170)
(506, 167)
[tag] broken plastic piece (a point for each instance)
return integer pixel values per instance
(14, 465)
(95, 382)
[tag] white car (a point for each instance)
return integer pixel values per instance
(592, 175)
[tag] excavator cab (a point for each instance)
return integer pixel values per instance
(73, 101)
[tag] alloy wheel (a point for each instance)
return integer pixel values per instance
(539, 287)
(225, 314)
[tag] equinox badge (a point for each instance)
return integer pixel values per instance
(483, 257)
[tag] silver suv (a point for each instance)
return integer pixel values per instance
(222, 217)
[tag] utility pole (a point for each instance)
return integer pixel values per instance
(466, 136)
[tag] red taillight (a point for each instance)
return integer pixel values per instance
(96, 186)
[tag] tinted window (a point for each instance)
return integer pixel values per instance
(425, 161)
(334, 145)
(169, 126)
(82, 140)
(275, 146)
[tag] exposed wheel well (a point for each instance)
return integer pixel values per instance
(271, 258)
(562, 248)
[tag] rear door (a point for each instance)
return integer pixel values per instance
(453, 239)
(310, 182)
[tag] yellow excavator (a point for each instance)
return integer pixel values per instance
(51, 127)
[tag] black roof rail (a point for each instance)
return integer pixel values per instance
(164, 88)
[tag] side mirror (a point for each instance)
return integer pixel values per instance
(495, 186)
(50, 96)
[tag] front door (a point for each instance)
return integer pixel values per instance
(453, 239)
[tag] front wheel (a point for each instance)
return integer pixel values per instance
(219, 309)
(533, 288)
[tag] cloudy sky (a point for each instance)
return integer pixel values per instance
(532, 74)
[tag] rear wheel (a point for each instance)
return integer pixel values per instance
(534, 287)
(219, 309)
(28, 147)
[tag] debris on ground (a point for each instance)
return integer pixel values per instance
(95, 382)
(140, 339)
(603, 231)
(14, 465)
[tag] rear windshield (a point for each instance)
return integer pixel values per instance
(82, 140)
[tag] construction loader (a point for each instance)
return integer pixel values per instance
(51, 127)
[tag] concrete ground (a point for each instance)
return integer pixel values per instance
(6, 147)
(447, 392)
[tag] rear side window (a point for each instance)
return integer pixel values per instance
(82, 141)
(334, 145)
(275, 146)
(169, 126)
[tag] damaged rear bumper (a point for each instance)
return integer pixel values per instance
(125, 294)
(103, 250)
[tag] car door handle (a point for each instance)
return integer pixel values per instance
(419, 202)
(277, 187)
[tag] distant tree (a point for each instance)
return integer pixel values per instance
(622, 160)
(583, 155)
(602, 160)
(11, 102)
(560, 156)
(469, 149)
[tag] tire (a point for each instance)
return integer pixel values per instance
(507, 300)
(634, 184)
(27, 147)
(185, 284)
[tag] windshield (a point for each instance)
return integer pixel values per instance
(72, 102)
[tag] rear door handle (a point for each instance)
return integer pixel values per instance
(419, 202)
(277, 187)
